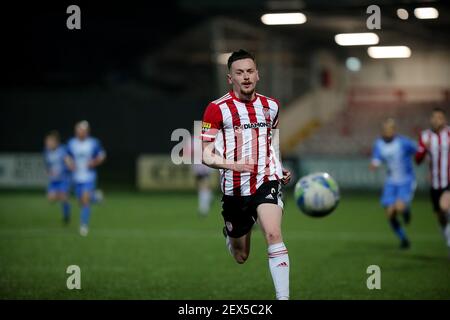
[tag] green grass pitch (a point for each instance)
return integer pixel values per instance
(154, 246)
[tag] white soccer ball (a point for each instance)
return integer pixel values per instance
(317, 194)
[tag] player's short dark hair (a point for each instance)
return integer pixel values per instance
(440, 110)
(239, 55)
(54, 134)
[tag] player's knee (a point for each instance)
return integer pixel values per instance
(85, 199)
(62, 197)
(444, 203)
(390, 212)
(51, 197)
(273, 236)
(400, 206)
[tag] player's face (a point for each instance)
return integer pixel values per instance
(51, 143)
(81, 132)
(243, 76)
(388, 131)
(437, 120)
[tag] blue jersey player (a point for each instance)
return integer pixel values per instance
(84, 155)
(57, 172)
(396, 153)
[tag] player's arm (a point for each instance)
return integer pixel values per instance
(376, 160)
(411, 147)
(421, 151)
(276, 138)
(276, 147)
(213, 160)
(99, 156)
(69, 162)
(48, 171)
(47, 166)
(98, 160)
(68, 158)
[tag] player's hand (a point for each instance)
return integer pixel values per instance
(286, 176)
(93, 163)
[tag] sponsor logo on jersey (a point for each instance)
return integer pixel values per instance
(254, 125)
(205, 126)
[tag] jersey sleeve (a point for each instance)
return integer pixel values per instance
(275, 119)
(69, 150)
(377, 159)
(98, 149)
(421, 150)
(410, 146)
(212, 122)
(64, 150)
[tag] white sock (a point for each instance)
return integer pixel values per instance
(279, 268)
(229, 247)
(204, 200)
(446, 231)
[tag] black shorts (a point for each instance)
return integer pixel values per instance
(202, 176)
(436, 197)
(239, 212)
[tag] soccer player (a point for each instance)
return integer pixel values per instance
(202, 176)
(57, 172)
(397, 153)
(435, 143)
(237, 133)
(84, 155)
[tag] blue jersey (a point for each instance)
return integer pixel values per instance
(82, 153)
(397, 155)
(55, 165)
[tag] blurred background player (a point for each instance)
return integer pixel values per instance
(57, 172)
(396, 152)
(85, 154)
(202, 176)
(237, 127)
(435, 142)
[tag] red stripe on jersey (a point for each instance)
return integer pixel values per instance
(439, 153)
(439, 160)
(237, 146)
(255, 145)
(269, 130)
(431, 156)
(224, 156)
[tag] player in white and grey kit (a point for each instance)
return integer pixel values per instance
(84, 155)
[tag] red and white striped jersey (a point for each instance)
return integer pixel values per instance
(437, 146)
(243, 130)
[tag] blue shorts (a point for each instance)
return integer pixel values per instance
(58, 186)
(394, 192)
(81, 188)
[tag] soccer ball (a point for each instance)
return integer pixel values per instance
(317, 194)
